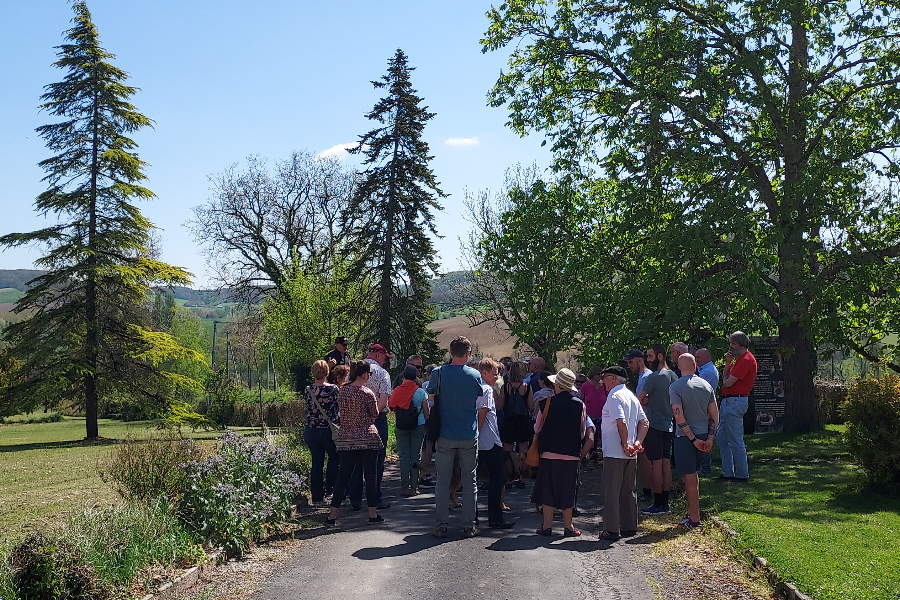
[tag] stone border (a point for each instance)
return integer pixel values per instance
(786, 590)
(185, 580)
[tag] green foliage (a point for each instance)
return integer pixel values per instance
(49, 567)
(87, 334)
(397, 194)
(872, 413)
(752, 188)
(53, 417)
(150, 467)
(234, 495)
(313, 308)
(222, 392)
(120, 543)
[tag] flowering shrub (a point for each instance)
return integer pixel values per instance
(232, 496)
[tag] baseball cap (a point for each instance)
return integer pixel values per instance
(380, 348)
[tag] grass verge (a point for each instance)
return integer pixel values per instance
(806, 511)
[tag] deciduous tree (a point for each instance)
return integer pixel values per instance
(762, 134)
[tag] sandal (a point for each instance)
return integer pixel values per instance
(376, 519)
(547, 532)
(571, 533)
(330, 522)
(439, 531)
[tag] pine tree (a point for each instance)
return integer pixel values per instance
(396, 197)
(86, 333)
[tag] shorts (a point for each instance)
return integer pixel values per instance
(687, 458)
(516, 429)
(658, 444)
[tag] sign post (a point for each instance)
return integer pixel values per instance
(767, 402)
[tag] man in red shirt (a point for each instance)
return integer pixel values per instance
(738, 378)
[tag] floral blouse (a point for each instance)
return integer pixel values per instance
(359, 410)
(327, 396)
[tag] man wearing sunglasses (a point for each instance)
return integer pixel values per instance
(416, 361)
(338, 356)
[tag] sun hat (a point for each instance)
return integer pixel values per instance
(565, 379)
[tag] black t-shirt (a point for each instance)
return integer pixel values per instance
(339, 358)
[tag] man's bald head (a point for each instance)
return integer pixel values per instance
(687, 364)
(703, 356)
(537, 364)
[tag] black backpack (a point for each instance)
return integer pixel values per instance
(516, 405)
(407, 418)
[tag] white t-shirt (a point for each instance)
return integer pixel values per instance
(489, 435)
(620, 404)
(380, 380)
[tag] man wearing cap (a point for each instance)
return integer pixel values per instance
(339, 355)
(622, 430)
(696, 418)
(637, 365)
(380, 384)
(658, 445)
(738, 378)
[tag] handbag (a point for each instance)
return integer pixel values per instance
(335, 429)
(533, 458)
(433, 423)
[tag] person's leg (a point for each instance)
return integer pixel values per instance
(317, 468)
(415, 445)
(523, 447)
(739, 450)
(692, 491)
(494, 458)
(348, 464)
(547, 514)
(404, 439)
(613, 472)
(381, 425)
(567, 519)
(443, 462)
(628, 508)
(331, 471)
(356, 487)
(646, 471)
(723, 437)
(369, 460)
(468, 464)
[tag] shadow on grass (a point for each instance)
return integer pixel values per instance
(58, 445)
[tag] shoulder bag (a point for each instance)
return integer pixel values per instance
(335, 429)
(533, 458)
(433, 423)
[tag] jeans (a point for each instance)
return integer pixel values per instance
(493, 458)
(446, 451)
(350, 460)
(321, 481)
(356, 482)
(409, 445)
(730, 437)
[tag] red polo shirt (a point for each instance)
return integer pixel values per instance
(744, 368)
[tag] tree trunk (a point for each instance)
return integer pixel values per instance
(801, 406)
(92, 333)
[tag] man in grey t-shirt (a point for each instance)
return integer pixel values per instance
(654, 397)
(696, 419)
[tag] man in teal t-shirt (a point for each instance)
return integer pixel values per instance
(458, 388)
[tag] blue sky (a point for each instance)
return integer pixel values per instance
(225, 80)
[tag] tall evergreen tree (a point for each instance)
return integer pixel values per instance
(396, 197)
(86, 334)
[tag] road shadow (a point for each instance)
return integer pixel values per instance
(411, 544)
(532, 541)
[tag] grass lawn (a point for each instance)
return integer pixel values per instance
(47, 470)
(805, 510)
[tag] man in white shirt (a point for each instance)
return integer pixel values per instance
(490, 448)
(623, 428)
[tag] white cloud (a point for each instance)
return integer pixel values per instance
(472, 141)
(338, 150)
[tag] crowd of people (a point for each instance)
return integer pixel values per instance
(512, 417)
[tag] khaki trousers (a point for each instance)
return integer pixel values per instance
(620, 507)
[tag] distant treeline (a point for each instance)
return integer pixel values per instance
(442, 288)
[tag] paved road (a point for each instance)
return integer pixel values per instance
(400, 558)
